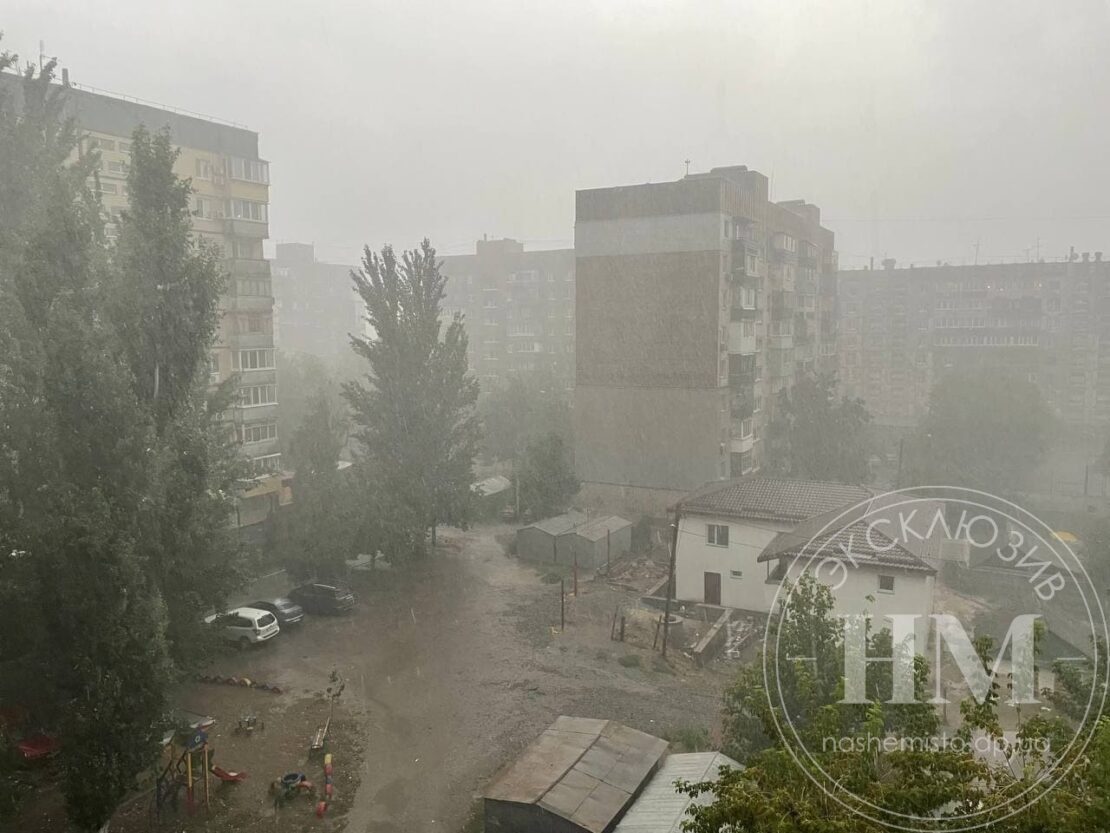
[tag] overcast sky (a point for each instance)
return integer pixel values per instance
(919, 128)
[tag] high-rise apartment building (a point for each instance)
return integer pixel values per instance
(230, 208)
(519, 309)
(901, 329)
(316, 308)
(698, 302)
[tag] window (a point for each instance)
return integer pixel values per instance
(213, 368)
(108, 188)
(116, 166)
(717, 534)
(204, 169)
(735, 573)
(256, 359)
(124, 147)
(247, 210)
(254, 286)
(203, 207)
(257, 324)
(886, 584)
(259, 432)
(255, 395)
(268, 463)
(250, 170)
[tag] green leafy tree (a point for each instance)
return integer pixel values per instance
(320, 527)
(546, 477)
(164, 303)
(817, 435)
(986, 429)
(72, 489)
(415, 412)
(521, 409)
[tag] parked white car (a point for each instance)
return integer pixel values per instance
(245, 625)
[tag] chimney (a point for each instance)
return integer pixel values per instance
(1098, 257)
(65, 76)
(1086, 256)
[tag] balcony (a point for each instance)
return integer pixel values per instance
(739, 342)
(740, 445)
(245, 268)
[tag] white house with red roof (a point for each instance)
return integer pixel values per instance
(738, 541)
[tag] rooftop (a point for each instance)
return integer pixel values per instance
(659, 809)
(772, 499)
(583, 770)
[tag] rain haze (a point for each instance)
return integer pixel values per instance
(921, 129)
(566, 417)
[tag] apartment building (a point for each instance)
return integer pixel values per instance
(230, 208)
(316, 308)
(902, 328)
(519, 309)
(698, 302)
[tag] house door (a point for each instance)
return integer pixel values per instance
(712, 588)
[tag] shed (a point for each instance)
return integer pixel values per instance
(659, 808)
(549, 540)
(593, 542)
(579, 776)
(492, 494)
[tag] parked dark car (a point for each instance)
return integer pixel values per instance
(323, 598)
(286, 610)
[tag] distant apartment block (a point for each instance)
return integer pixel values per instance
(698, 302)
(230, 208)
(519, 309)
(316, 308)
(902, 328)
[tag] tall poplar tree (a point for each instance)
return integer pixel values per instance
(415, 412)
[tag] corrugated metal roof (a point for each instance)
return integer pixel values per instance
(659, 809)
(491, 485)
(583, 770)
(773, 499)
(560, 524)
(596, 529)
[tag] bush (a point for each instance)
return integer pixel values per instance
(689, 739)
(630, 661)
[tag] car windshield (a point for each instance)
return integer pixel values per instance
(284, 604)
(266, 620)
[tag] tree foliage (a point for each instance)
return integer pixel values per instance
(318, 532)
(546, 477)
(414, 414)
(519, 410)
(115, 470)
(986, 429)
(886, 761)
(816, 435)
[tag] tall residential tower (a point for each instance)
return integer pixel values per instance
(698, 301)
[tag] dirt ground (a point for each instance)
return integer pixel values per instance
(451, 668)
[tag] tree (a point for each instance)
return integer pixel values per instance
(520, 409)
(75, 443)
(986, 429)
(318, 534)
(817, 436)
(164, 303)
(546, 477)
(414, 415)
(774, 794)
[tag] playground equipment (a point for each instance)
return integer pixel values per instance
(227, 777)
(291, 785)
(189, 760)
(248, 723)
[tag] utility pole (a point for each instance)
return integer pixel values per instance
(670, 582)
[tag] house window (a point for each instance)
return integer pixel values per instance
(259, 432)
(124, 147)
(203, 208)
(255, 395)
(717, 535)
(735, 573)
(886, 584)
(262, 359)
(247, 210)
(204, 169)
(267, 463)
(213, 368)
(251, 170)
(116, 166)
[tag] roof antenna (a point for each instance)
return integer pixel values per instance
(687, 167)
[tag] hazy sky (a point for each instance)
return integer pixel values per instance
(920, 128)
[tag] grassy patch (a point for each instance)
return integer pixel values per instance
(629, 660)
